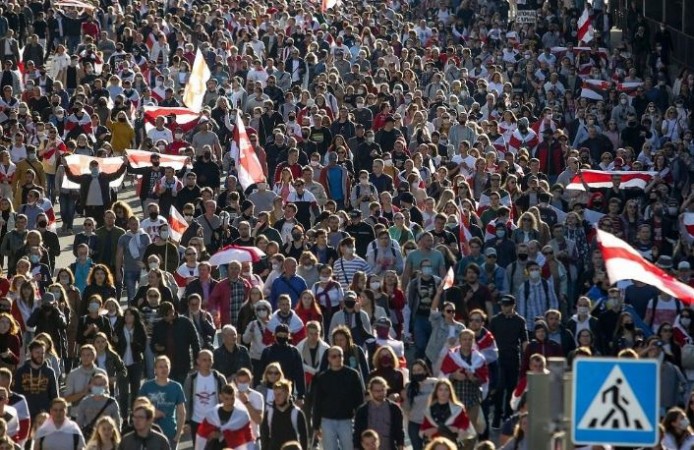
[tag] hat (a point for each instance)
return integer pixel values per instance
(355, 212)
(407, 197)
(48, 297)
(263, 304)
(540, 324)
(282, 328)
(490, 251)
(508, 299)
(383, 322)
(350, 295)
(683, 265)
(246, 204)
(664, 262)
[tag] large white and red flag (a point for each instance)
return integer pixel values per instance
(585, 27)
(595, 89)
(79, 165)
(196, 86)
(247, 163)
(448, 279)
(327, 4)
(177, 224)
(141, 158)
(622, 262)
(602, 179)
(184, 118)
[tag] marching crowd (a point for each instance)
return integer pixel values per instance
(409, 230)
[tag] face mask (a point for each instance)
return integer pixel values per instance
(164, 235)
(672, 210)
(324, 279)
(34, 259)
(363, 181)
(388, 162)
(64, 280)
(94, 171)
(179, 136)
(685, 321)
(360, 105)
(153, 215)
(296, 236)
(42, 224)
(534, 274)
(623, 101)
(419, 377)
(683, 423)
(31, 156)
(275, 266)
(349, 251)
(98, 390)
(308, 266)
(153, 266)
(350, 304)
(261, 314)
(243, 387)
(583, 310)
(427, 271)
(93, 307)
(500, 233)
(370, 139)
(522, 256)
(281, 340)
(314, 163)
(629, 326)
(375, 285)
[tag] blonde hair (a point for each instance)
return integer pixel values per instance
(96, 436)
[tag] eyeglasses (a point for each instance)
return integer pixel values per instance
(88, 224)
(547, 253)
(475, 319)
(449, 311)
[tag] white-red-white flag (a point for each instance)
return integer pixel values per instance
(585, 27)
(184, 118)
(79, 165)
(327, 4)
(247, 163)
(448, 279)
(464, 234)
(177, 224)
(196, 86)
(602, 179)
(141, 158)
(622, 262)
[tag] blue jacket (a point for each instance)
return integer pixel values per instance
(293, 287)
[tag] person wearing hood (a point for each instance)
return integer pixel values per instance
(289, 359)
(541, 344)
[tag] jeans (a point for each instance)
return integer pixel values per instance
(422, 332)
(334, 431)
(413, 432)
(50, 191)
(131, 278)
(72, 43)
(67, 209)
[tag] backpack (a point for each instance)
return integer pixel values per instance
(374, 247)
(545, 287)
(294, 417)
(678, 306)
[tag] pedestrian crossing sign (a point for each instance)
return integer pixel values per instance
(615, 402)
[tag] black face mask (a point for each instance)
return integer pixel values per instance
(42, 224)
(629, 326)
(153, 215)
(350, 304)
(155, 163)
(282, 340)
(207, 156)
(419, 377)
(522, 256)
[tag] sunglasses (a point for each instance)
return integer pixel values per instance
(449, 311)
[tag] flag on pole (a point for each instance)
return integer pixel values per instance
(247, 163)
(585, 27)
(197, 83)
(622, 262)
(602, 179)
(464, 234)
(448, 279)
(177, 224)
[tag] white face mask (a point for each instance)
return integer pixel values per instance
(164, 235)
(324, 279)
(261, 314)
(243, 387)
(534, 274)
(388, 162)
(153, 266)
(375, 285)
(685, 321)
(583, 310)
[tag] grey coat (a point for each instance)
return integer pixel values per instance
(439, 335)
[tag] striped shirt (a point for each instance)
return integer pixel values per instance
(344, 270)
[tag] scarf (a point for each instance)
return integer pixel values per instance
(134, 244)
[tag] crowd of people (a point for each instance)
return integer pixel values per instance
(425, 220)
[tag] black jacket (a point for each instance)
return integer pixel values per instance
(146, 187)
(278, 428)
(185, 339)
(104, 179)
(337, 395)
(195, 287)
(49, 319)
(291, 363)
(230, 362)
(397, 434)
(137, 343)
